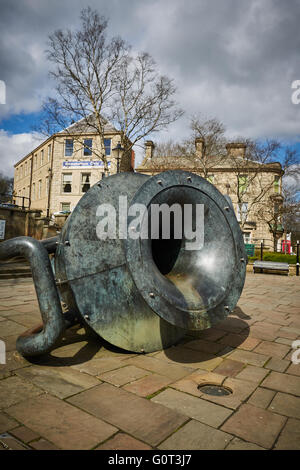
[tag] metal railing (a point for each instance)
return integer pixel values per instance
(6, 198)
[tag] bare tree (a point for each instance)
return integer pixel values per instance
(212, 133)
(143, 100)
(6, 187)
(281, 214)
(251, 181)
(99, 80)
(259, 188)
(169, 149)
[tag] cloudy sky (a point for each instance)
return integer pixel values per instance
(231, 59)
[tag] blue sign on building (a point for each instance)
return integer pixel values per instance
(84, 164)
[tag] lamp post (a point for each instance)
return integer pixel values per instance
(118, 150)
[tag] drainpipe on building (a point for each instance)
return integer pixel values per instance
(50, 179)
(30, 184)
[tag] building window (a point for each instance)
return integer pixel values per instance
(65, 206)
(42, 157)
(40, 189)
(67, 182)
(69, 144)
(49, 152)
(107, 146)
(25, 169)
(85, 182)
(47, 185)
(244, 212)
(88, 143)
(35, 161)
(277, 184)
(247, 237)
(243, 183)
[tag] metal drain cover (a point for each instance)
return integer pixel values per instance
(214, 390)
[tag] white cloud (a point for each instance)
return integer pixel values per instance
(234, 60)
(13, 147)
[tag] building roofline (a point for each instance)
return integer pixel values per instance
(60, 134)
(34, 150)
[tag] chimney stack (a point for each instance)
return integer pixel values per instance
(236, 149)
(149, 149)
(199, 143)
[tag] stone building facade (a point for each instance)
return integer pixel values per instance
(57, 173)
(251, 186)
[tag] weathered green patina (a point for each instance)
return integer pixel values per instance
(143, 294)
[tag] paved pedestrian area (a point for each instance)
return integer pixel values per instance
(90, 395)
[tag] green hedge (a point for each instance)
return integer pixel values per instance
(279, 257)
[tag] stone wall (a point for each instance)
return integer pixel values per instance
(20, 222)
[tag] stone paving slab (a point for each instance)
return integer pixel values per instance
(286, 405)
(252, 374)
(262, 397)
(238, 444)
(43, 444)
(271, 349)
(190, 358)
(207, 413)
(99, 366)
(229, 368)
(130, 401)
(122, 376)
(14, 361)
(293, 369)
(64, 425)
(290, 436)
(255, 425)
(196, 436)
(172, 371)
(283, 383)
(9, 328)
(14, 390)
(60, 381)
(24, 434)
(204, 346)
(7, 423)
(250, 357)
(122, 441)
(148, 385)
(278, 365)
(139, 417)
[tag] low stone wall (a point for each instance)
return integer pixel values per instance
(20, 222)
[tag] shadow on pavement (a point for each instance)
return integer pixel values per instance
(214, 342)
(76, 348)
